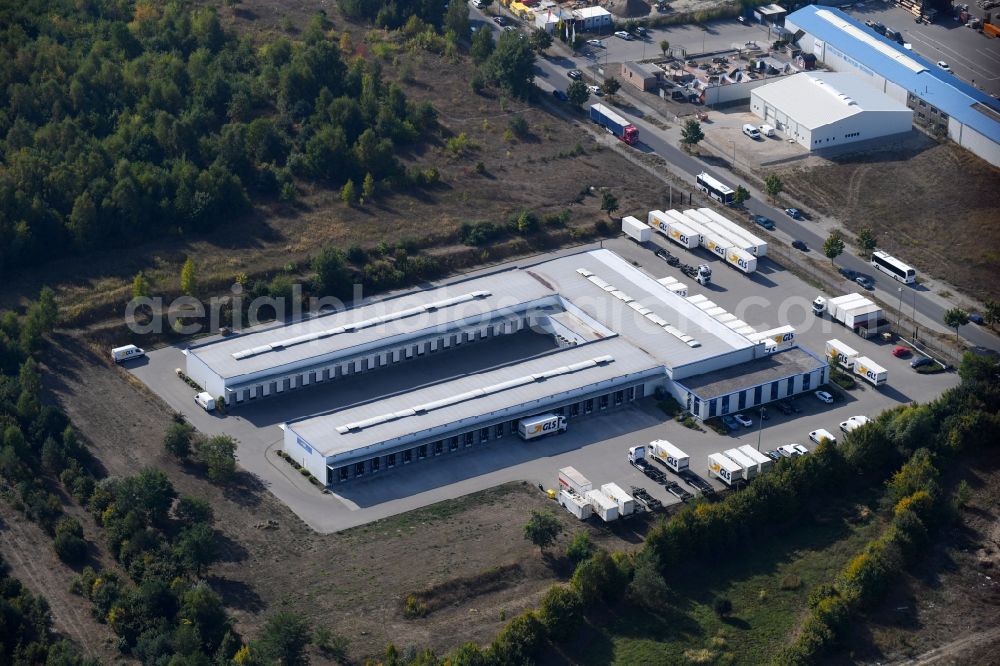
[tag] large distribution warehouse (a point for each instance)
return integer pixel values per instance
(825, 110)
(618, 335)
(940, 101)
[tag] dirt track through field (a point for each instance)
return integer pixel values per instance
(28, 551)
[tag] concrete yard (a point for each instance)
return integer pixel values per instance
(596, 445)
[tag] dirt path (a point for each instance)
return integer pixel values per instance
(952, 652)
(28, 551)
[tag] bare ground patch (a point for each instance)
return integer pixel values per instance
(933, 205)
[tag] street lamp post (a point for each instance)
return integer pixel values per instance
(899, 308)
(760, 426)
(734, 152)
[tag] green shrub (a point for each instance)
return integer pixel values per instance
(414, 608)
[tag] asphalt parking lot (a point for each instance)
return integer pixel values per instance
(973, 57)
(597, 445)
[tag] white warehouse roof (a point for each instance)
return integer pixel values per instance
(591, 12)
(816, 99)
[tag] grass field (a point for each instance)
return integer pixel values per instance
(768, 587)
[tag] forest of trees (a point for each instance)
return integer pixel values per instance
(123, 121)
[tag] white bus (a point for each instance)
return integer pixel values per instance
(713, 188)
(889, 265)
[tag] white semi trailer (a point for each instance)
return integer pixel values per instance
(763, 462)
(750, 467)
(843, 355)
(754, 244)
(870, 371)
(626, 503)
(578, 505)
(852, 310)
(669, 455)
(570, 478)
(635, 229)
(673, 225)
(723, 468)
(605, 507)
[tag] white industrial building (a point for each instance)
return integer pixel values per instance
(826, 109)
(592, 19)
(941, 102)
(619, 335)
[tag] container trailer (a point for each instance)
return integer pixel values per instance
(763, 462)
(635, 229)
(750, 467)
(673, 228)
(669, 455)
(578, 505)
(840, 353)
(724, 469)
(615, 124)
(870, 371)
(572, 479)
(605, 507)
(626, 503)
(754, 244)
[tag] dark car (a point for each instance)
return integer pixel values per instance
(921, 362)
(800, 245)
(499, 20)
(762, 221)
(848, 273)
(663, 254)
(574, 74)
(560, 95)
(783, 407)
(865, 281)
(677, 95)
(794, 213)
(976, 318)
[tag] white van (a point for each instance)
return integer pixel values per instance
(819, 435)
(205, 401)
(126, 353)
(766, 130)
(751, 131)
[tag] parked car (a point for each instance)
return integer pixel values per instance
(595, 90)
(621, 34)
(848, 273)
(976, 318)
(499, 20)
(596, 42)
(762, 221)
(730, 422)
(575, 74)
(800, 245)
(743, 420)
(920, 362)
(945, 66)
(824, 396)
(774, 454)
(640, 31)
(783, 407)
(792, 450)
(794, 213)
(901, 352)
(509, 28)
(560, 95)
(865, 282)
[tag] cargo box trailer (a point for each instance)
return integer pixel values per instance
(750, 467)
(605, 507)
(626, 503)
(763, 462)
(672, 284)
(673, 228)
(615, 124)
(754, 244)
(724, 469)
(870, 371)
(840, 353)
(572, 479)
(578, 505)
(534, 427)
(669, 455)
(635, 229)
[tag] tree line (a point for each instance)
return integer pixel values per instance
(121, 122)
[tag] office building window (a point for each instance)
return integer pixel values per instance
(484, 434)
(588, 406)
(619, 397)
(742, 400)
(604, 401)
(359, 469)
(791, 385)
(806, 381)
(630, 393)
(407, 456)
(725, 404)
(422, 451)
(390, 460)
(758, 394)
(468, 439)
(438, 447)
(376, 464)
(498, 431)
(574, 409)
(712, 406)
(774, 390)
(453, 444)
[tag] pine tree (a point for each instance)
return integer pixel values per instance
(189, 281)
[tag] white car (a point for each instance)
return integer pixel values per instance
(943, 65)
(817, 436)
(825, 397)
(621, 34)
(595, 90)
(853, 423)
(792, 450)
(596, 42)
(744, 421)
